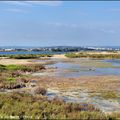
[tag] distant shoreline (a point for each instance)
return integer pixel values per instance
(6, 60)
(55, 49)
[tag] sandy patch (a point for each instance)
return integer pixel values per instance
(62, 56)
(15, 61)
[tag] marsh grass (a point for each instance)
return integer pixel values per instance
(2, 68)
(10, 79)
(26, 56)
(17, 67)
(11, 76)
(24, 68)
(96, 56)
(17, 104)
(109, 95)
(22, 105)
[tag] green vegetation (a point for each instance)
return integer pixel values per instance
(14, 76)
(71, 55)
(17, 67)
(23, 68)
(96, 56)
(10, 79)
(109, 95)
(2, 68)
(26, 56)
(21, 106)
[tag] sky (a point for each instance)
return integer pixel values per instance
(60, 23)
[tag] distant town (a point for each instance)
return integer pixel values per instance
(59, 49)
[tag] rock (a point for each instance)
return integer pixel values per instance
(39, 90)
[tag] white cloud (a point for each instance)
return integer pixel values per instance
(48, 3)
(59, 24)
(114, 10)
(23, 3)
(108, 31)
(14, 10)
(30, 3)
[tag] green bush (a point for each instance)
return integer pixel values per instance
(24, 68)
(10, 79)
(26, 56)
(18, 67)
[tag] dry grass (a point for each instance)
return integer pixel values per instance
(96, 85)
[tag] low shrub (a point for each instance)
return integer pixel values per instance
(18, 67)
(2, 68)
(40, 90)
(29, 56)
(96, 56)
(10, 79)
(109, 95)
(17, 73)
(23, 68)
(23, 79)
(35, 67)
(25, 106)
(71, 55)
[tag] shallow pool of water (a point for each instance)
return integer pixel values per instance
(66, 69)
(115, 62)
(76, 68)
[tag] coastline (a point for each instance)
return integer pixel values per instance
(7, 61)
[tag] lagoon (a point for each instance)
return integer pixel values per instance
(83, 67)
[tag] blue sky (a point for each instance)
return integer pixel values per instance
(54, 23)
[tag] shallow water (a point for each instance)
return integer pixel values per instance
(29, 52)
(115, 62)
(76, 68)
(82, 96)
(69, 69)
